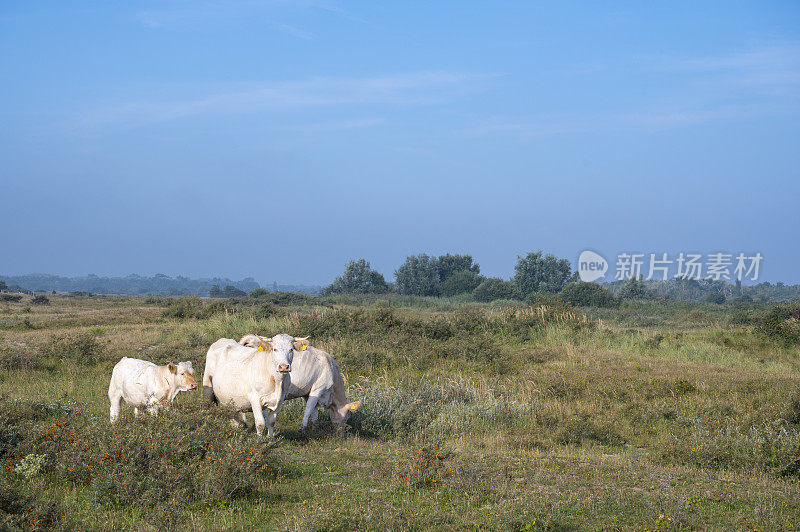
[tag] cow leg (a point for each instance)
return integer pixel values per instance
(136, 412)
(311, 410)
(269, 418)
(241, 422)
(314, 417)
(258, 414)
(115, 398)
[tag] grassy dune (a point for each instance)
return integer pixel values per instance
(649, 417)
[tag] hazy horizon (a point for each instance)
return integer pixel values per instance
(279, 140)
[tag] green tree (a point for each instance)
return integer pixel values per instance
(3, 286)
(494, 288)
(418, 276)
(232, 291)
(449, 265)
(215, 291)
(634, 288)
(583, 294)
(461, 282)
(358, 278)
(715, 297)
(546, 274)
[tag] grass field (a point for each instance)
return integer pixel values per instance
(653, 416)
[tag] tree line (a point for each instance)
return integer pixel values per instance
(454, 275)
(537, 274)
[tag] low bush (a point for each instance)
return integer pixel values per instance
(589, 295)
(40, 299)
(283, 298)
(13, 357)
(192, 307)
(83, 347)
(10, 298)
(494, 288)
(462, 282)
(772, 447)
(156, 464)
(424, 409)
(28, 507)
(781, 322)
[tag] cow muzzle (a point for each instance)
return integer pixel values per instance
(284, 368)
(193, 386)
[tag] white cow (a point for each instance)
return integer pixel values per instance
(250, 379)
(142, 383)
(316, 378)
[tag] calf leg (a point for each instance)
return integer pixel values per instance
(115, 398)
(241, 422)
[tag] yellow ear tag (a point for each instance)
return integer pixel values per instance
(261, 348)
(303, 347)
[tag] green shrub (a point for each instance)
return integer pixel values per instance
(634, 288)
(772, 447)
(492, 289)
(28, 507)
(589, 295)
(82, 348)
(11, 298)
(413, 409)
(158, 464)
(358, 278)
(462, 282)
(782, 322)
(717, 298)
(40, 299)
(15, 357)
(192, 307)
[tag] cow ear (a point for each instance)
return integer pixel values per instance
(263, 345)
(301, 344)
(171, 367)
(354, 406)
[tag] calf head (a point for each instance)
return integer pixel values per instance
(283, 347)
(182, 376)
(340, 414)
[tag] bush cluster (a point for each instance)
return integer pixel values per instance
(155, 464)
(781, 322)
(192, 307)
(40, 299)
(83, 348)
(588, 295)
(771, 446)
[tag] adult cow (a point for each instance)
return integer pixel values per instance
(251, 378)
(317, 379)
(142, 383)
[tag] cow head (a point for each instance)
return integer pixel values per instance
(182, 376)
(282, 347)
(253, 340)
(340, 414)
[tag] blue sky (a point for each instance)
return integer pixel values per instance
(280, 139)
